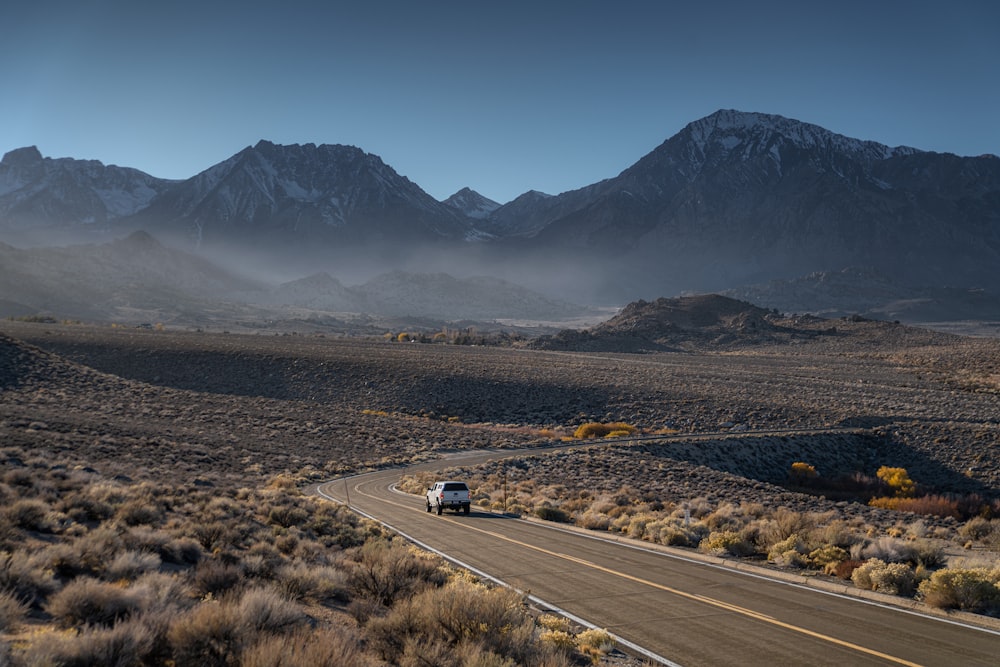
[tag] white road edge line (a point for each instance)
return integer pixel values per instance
(755, 575)
(538, 601)
(764, 577)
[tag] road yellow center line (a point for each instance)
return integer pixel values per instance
(703, 599)
(750, 613)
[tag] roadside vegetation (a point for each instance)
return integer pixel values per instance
(942, 550)
(464, 336)
(113, 572)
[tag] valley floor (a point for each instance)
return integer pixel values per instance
(228, 411)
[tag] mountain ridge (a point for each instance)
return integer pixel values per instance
(43, 192)
(747, 202)
(472, 204)
(733, 199)
(324, 193)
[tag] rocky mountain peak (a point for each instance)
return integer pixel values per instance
(302, 195)
(472, 204)
(728, 135)
(20, 167)
(22, 157)
(38, 192)
(311, 152)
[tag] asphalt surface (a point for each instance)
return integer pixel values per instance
(672, 609)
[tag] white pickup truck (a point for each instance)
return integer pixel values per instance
(453, 495)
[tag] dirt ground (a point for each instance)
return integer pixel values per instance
(236, 405)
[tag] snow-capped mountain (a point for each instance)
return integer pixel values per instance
(302, 195)
(37, 192)
(732, 199)
(472, 204)
(743, 197)
(729, 132)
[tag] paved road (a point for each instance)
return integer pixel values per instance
(681, 611)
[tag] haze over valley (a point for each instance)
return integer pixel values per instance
(777, 212)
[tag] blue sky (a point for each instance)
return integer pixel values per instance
(500, 97)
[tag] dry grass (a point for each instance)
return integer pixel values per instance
(329, 647)
(85, 601)
(934, 505)
(282, 584)
(12, 611)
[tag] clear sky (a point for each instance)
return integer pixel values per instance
(503, 97)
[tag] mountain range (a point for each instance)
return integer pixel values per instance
(733, 200)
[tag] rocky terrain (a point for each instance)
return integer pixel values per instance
(712, 322)
(254, 412)
(236, 403)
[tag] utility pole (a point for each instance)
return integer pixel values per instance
(505, 490)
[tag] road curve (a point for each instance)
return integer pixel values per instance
(677, 610)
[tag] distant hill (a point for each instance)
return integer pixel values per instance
(135, 278)
(138, 279)
(714, 322)
(439, 296)
(870, 293)
(669, 324)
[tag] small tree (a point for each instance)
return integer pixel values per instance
(802, 472)
(600, 430)
(898, 480)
